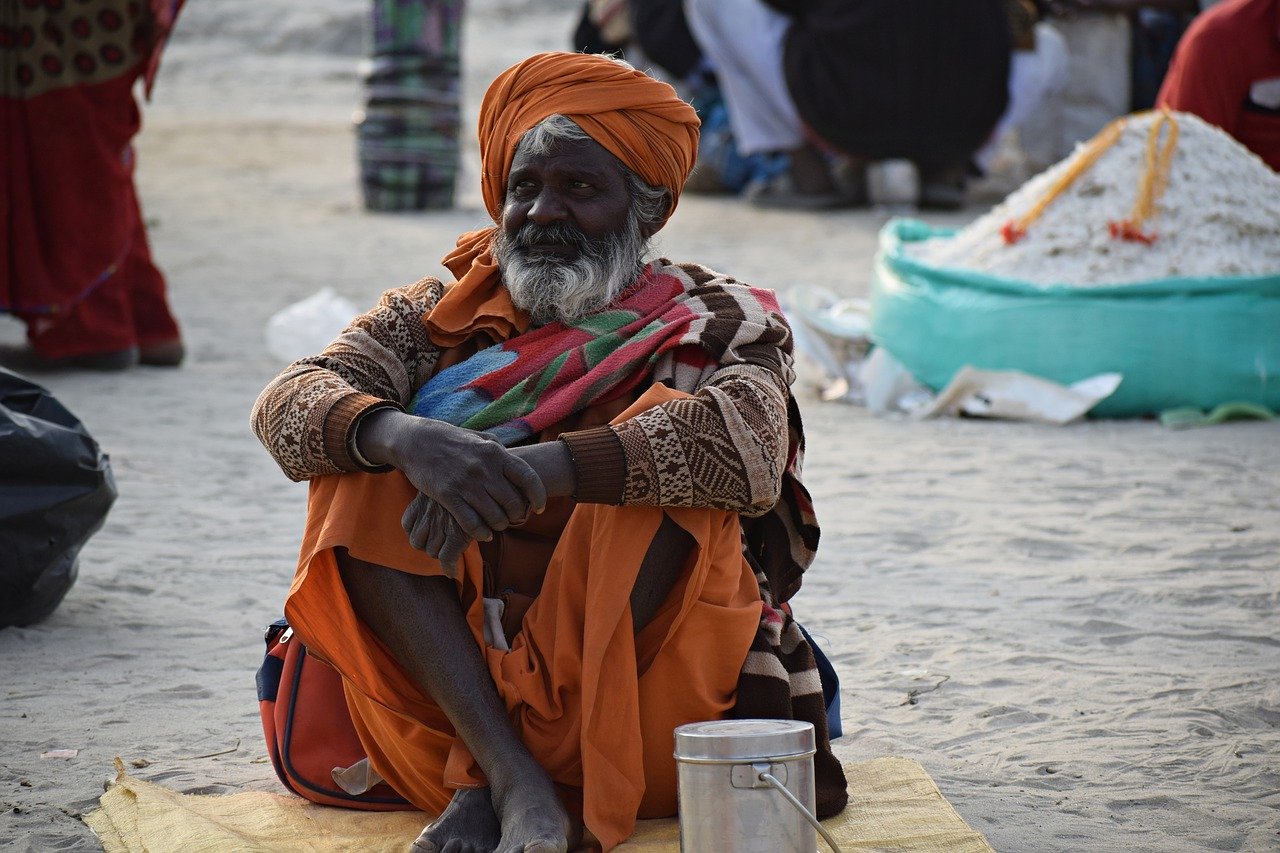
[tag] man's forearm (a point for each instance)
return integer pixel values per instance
(381, 435)
(554, 465)
(377, 435)
(731, 441)
(305, 416)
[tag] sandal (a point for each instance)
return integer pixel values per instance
(780, 193)
(813, 181)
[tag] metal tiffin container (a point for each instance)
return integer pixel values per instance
(746, 786)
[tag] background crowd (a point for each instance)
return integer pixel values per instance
(807, 104)
(803, 100)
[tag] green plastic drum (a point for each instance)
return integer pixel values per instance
(1178, 342)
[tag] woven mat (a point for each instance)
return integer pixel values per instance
(893, 806)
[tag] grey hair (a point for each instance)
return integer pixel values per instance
(650, 204)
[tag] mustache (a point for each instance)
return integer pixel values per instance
(554, 234)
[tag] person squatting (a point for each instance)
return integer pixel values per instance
(555, 508)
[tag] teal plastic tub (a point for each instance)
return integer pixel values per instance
(1177, 341)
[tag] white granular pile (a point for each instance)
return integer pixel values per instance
(1218, 217)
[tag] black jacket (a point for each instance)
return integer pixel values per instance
(920, 79)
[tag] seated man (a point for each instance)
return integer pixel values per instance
(598, 457)
(865, 79)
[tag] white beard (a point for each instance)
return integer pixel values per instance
(550, 289)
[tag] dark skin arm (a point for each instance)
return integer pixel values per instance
(421, 621)
(469, 486)
(458, 468)
(460, 473)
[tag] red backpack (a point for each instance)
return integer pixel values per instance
(308, 728)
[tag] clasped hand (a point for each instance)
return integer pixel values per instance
(469, 486)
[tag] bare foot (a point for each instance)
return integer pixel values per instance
(533, 820)
(468, 825)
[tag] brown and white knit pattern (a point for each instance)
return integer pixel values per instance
(725, 447)
(731, 328)
(726, 443)
(779, 679)
(728, 446)
(304, 416)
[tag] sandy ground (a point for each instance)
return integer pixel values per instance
(1074, 629)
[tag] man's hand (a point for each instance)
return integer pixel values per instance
(432, 529)
(470, 485)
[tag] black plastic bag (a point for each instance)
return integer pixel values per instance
(55, 490)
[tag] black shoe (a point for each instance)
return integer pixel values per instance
(164, 354)
(25, 359)
(943, 189)
(813, 181)
(780, 193)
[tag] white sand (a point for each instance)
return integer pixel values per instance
(1096, 605)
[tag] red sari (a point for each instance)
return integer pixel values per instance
(74, 260)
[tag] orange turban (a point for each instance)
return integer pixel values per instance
(638, 119)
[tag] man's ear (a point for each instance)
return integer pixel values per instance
(648, 229)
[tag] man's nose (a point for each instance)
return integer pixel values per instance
(548, 206)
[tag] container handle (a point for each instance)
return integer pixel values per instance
(766, 776)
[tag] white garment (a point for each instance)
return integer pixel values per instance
(743, 39)
(1096, 92)
(1034, 75)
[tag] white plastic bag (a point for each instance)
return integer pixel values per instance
(304, 328)
(1018, 396)
(831, 339)
(890, 387)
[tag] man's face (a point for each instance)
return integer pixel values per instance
(570, 238)
(578, 184)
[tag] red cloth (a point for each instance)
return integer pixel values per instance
(1224, 55)
(129, 309)
(74, 261)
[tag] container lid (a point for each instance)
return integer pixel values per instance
(744, 739)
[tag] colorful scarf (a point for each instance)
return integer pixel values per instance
(676, 325)
(515, 389)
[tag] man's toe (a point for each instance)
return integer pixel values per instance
(425, 844)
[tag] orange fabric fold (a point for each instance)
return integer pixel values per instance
(595, 705)
(638, 119)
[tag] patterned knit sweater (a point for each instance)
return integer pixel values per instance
(724, 447)
(735, 444)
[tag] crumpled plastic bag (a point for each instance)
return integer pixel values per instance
(55, 489)
(308, 326)
(1014, 395)
(832, 338)
(888, 387)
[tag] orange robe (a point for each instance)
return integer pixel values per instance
(594, 704)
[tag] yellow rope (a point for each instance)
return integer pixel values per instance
(1015, 229)
(1156, 177)
(1154, 181)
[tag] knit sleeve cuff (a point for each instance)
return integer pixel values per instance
(340, 427)
(599, 464)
